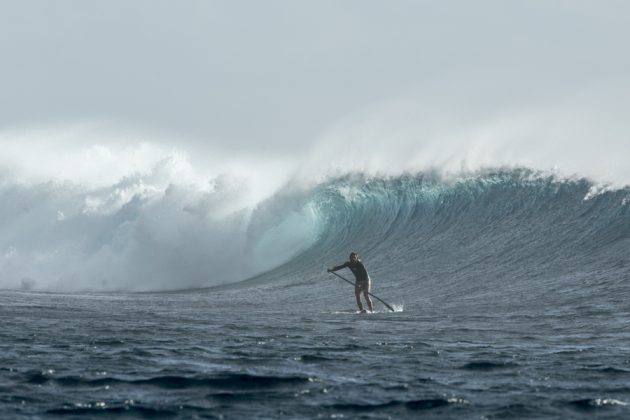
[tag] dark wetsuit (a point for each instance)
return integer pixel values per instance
(359, 271)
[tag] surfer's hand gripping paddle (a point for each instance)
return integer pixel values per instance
(374, 296)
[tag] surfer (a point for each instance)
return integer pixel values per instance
(363, 282)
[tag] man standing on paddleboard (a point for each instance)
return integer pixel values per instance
(363, 282)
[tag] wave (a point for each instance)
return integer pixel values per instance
(512, 228)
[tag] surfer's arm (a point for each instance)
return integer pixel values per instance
(339, 267)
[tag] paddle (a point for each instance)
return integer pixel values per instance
(374, 296)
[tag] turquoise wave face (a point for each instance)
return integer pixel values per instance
(497, 232)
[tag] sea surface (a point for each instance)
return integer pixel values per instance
(511, 293)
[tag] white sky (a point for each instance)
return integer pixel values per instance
(268, 76)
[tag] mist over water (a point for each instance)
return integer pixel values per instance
(475, 125)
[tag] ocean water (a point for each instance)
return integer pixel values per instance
(511, 292)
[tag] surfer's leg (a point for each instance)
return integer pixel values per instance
(357, 294)
(368, 300)
(366, 289)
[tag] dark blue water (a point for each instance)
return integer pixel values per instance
(512, 302)
(250, 354)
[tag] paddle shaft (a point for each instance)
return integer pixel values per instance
(374, 296)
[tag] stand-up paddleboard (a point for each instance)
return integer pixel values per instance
(374, 296)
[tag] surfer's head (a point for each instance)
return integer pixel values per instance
(354, 256)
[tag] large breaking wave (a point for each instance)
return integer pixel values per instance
(467, 235)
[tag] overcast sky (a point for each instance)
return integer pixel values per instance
(277, 74)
